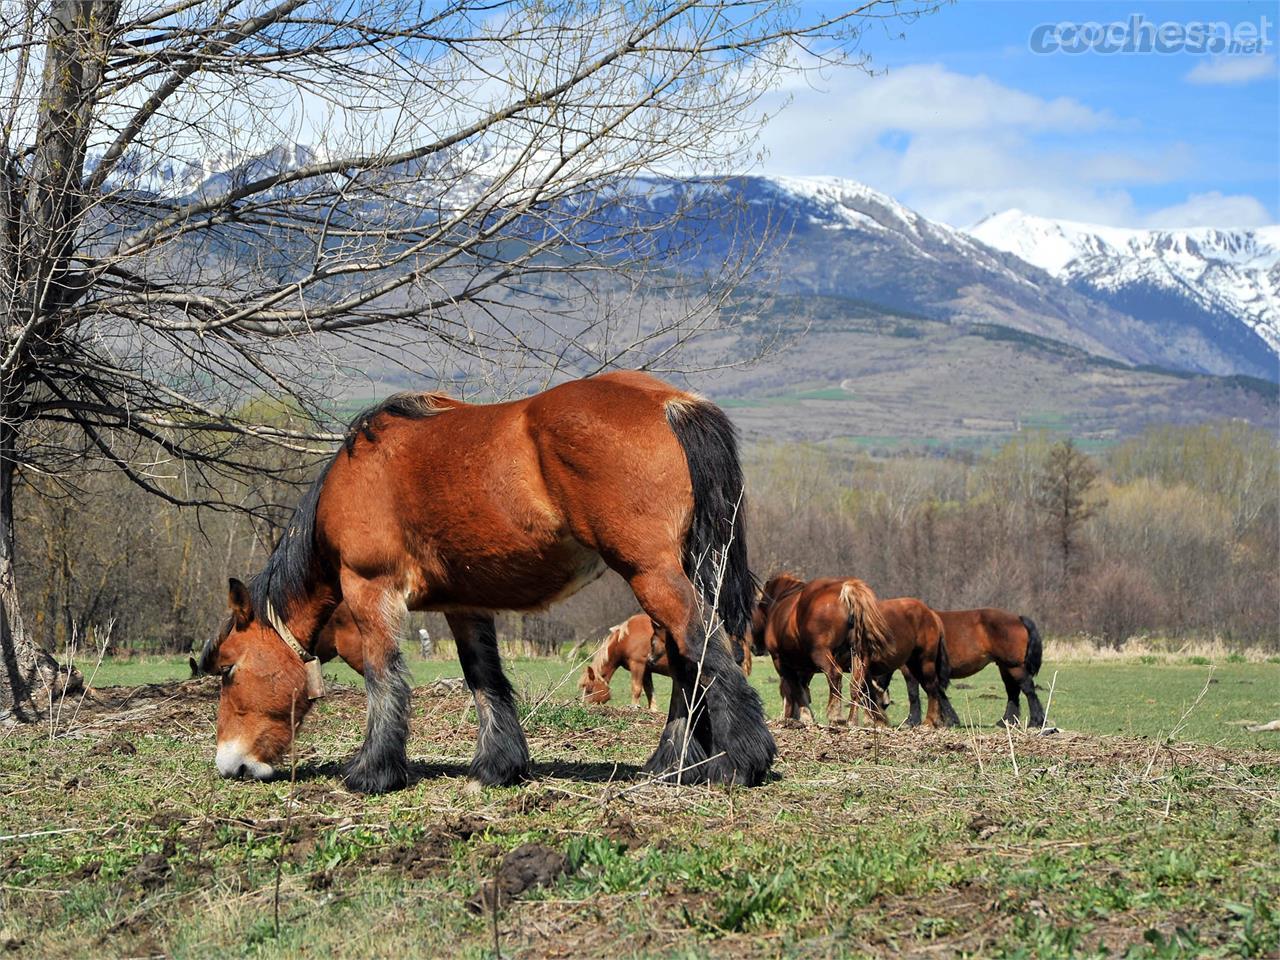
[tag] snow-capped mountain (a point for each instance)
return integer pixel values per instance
(1206, 301)
(845, 239)
(1197, 300)
(1206, 277)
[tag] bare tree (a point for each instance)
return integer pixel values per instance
(1066, 480)
(203, 202)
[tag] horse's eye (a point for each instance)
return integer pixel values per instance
(225, 672)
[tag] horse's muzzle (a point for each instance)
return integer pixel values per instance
(235, 762)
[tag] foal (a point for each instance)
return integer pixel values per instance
(829, 626)
(634, 646)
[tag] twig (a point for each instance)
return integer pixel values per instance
(288, 814)
(4, 838)
(1048, 702)
(1177, 727)
(493, 902)
(1009, 736)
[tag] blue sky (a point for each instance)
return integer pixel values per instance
(966, 120)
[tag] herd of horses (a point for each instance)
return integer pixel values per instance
(431, 503)
(835, 627)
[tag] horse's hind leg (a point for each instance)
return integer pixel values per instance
(1012, 677)
(376, 612)
(1035, 710)
(913, 699)
(715, 726)
(502, 756)
(941, 713)
(648, 688)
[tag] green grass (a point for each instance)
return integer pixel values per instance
(972, 842)
(1131, 699)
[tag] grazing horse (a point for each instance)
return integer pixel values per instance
(435, 504)
(916, 646)
(829, 626)
(975, 638)
(638, 648)
(635, 646)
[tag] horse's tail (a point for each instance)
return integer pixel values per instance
(1035, 647)
(867, 627)
(715, 548)
(942, 663)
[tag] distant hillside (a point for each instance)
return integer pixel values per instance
(885, 381)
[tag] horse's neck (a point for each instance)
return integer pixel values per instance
(308, 616)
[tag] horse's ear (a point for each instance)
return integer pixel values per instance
(591, 674)
(241, 605)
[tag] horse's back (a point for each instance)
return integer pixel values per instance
(610, 459)
(984, 634)
(911, 621)
(449, 495)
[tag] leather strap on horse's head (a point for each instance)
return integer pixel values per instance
(315, 680)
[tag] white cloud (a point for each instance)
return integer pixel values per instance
(959, 148)
(1212, 209)
(1232, 70)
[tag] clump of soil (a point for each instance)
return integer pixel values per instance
(113, 746)
(425, 856)
(150, 871)
(527, 866)
(622, 831)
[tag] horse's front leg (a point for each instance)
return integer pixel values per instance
(857, 689)
(835, 693)
(502, 755)
(375, 612)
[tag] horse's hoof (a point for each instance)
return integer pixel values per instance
(374, 780)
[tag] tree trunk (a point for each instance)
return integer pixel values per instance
(32, 680)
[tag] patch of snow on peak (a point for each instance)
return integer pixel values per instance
(1231, 271)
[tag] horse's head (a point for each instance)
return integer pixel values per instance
(775, 588)
(264, 691)
(594, 688)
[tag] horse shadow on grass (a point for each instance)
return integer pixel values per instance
(580, 771)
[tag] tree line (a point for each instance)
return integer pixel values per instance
(1173, 533)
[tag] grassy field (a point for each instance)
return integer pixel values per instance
(1129, 698)
(1106, 839)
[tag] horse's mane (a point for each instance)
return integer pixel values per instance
(780, 585)
(602, 652)
(287, 573)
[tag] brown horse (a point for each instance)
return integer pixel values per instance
(635, 646)
(830, 626)
(975, 638)
(916, 646)
(434, 504)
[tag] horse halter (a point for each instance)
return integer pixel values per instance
(311, 663)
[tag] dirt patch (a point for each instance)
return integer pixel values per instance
(528, 866)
